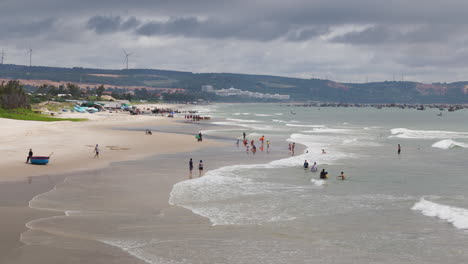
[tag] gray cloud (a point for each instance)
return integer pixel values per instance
(395, 34)
(21, 29)
(110, 24)
(208, 28)
(425, 39)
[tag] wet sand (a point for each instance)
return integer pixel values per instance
(20, 182)
(172, 222)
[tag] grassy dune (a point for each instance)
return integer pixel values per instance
(27, 114)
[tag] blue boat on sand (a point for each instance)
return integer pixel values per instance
(39, 160)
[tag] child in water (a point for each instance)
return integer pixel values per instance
(342, 176)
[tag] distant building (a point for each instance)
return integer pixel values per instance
(207, 88)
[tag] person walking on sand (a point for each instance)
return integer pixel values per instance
(200, 168)
(342, 177)
(96, 151)
(399, 149)
(200, 137)
(30, 154)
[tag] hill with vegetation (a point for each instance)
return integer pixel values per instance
(186, 86)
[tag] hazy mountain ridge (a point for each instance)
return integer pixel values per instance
(299, 89)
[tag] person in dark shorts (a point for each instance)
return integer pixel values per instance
(96, 151)
(30, 154)
(200, 168)
(306, 164)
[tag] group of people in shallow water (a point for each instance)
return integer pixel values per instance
(253, 148)
(323, 173)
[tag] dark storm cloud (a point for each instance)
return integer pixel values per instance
(110, 24)
(209, 28)
(193, 27)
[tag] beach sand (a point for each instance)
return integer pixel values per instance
(72, 144)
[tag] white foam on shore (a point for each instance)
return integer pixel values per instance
(136, 249)
(318, 182)
(224, 195)
(262, 115)
(449, 144)
(458, 217)
(327, 130)
(426, 134)
(305, 125)
(243, 120)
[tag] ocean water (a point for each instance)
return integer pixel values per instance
(265, 208)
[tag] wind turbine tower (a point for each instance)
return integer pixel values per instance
(30, 56)
(126, 57)
(2, 57)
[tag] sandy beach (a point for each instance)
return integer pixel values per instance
(72, 145)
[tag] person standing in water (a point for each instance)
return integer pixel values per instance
(243, 134)
(30, 154)
(190, 166)
(200, 168)
(323, 174)
(314, 167)
(96, 151)
(306, 164)
(268, 145)
(342, 176)
(399, 149)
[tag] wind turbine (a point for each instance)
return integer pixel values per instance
(126, 57)
(30, 55)
(2, 57)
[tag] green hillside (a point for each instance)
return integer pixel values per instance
(298, 89)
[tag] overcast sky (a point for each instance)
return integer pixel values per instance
(343, 40)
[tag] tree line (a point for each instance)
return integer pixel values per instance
(12, 95)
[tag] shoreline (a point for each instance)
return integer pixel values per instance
(20, 183)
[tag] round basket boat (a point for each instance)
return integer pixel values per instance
(39, 160)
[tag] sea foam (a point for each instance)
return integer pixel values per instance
(458, 217)
(449, 144)
(426, 134)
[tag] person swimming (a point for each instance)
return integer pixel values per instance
(306, 164)
(323, 174)
(323, 151)
(342, 176)
(314, 167)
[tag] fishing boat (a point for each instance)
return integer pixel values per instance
(40, 160)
